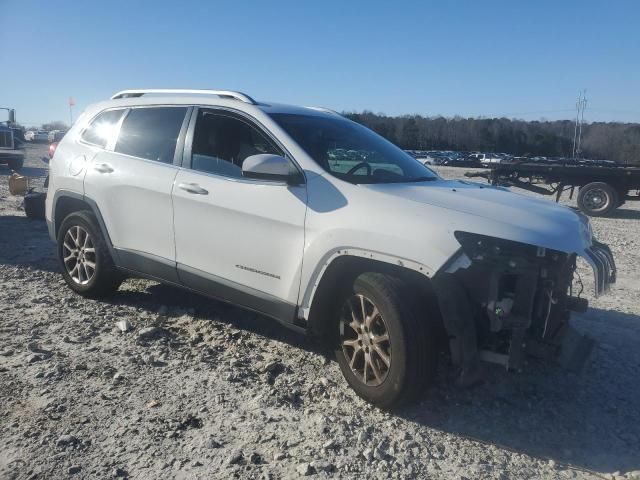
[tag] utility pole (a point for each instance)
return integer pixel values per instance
(581, 105)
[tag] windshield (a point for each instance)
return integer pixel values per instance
(352, 152)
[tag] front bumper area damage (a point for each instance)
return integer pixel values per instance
(600, 258)
(502, 300)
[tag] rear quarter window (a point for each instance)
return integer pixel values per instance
(151, 133)
(102, 128)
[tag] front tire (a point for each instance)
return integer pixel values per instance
(87, 266)
(385, 350)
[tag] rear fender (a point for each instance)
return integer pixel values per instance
(54, 223)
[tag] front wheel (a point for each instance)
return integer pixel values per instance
(597, 199)
(385, 350)
(87, 266)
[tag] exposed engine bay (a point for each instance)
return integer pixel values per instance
(519, 298)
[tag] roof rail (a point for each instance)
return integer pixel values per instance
(220, 93)
(325, 110)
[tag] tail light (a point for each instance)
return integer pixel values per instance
(52, 149)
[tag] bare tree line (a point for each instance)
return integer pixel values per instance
(600, 140)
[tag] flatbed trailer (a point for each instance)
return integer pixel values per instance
(601, 187)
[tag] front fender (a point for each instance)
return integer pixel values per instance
(315, 275)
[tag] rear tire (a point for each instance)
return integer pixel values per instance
(391, 359)
(597, 199)
(84, 256)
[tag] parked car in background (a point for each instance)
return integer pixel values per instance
(28, 135)
(486, 158)
(427, 159)
(56, 135)
(463, 161)
(432, 158)
(41, 136)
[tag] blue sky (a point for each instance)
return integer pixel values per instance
(470, 58)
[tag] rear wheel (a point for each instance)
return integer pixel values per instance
(597, 199)
(385, 351)
(87, 266)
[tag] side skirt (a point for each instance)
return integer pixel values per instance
(149, 265)
(177, 275)
(231, 292)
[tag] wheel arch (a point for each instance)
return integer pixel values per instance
(66, 202)
(341, 269)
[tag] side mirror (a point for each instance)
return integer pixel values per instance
(12, 116)
(266, 166)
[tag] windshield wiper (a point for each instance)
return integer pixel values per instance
(378, 181)
(420, 179)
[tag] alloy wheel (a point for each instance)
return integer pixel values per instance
(79, 255)
(364, 338)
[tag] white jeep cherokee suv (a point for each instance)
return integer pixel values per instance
(316, 221)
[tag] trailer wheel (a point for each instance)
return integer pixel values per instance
(597, 199)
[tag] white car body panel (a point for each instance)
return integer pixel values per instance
(135, 202)
(62, 177)
(421, 237)
(244, 231)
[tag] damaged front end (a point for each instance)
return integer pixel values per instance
(520, 298)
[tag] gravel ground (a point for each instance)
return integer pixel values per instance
(200, 389)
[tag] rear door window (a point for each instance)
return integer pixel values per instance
(103, 128)
(151, 133)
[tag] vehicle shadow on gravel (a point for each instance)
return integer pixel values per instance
(625, 214)
(590, 420)
(158, 294)
(26, 243)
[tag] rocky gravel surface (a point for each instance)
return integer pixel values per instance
(160, 383)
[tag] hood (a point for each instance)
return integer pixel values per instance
(497, 212)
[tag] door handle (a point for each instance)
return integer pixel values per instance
(103, 168)
(193, 188)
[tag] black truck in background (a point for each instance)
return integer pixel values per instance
(11, 142)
